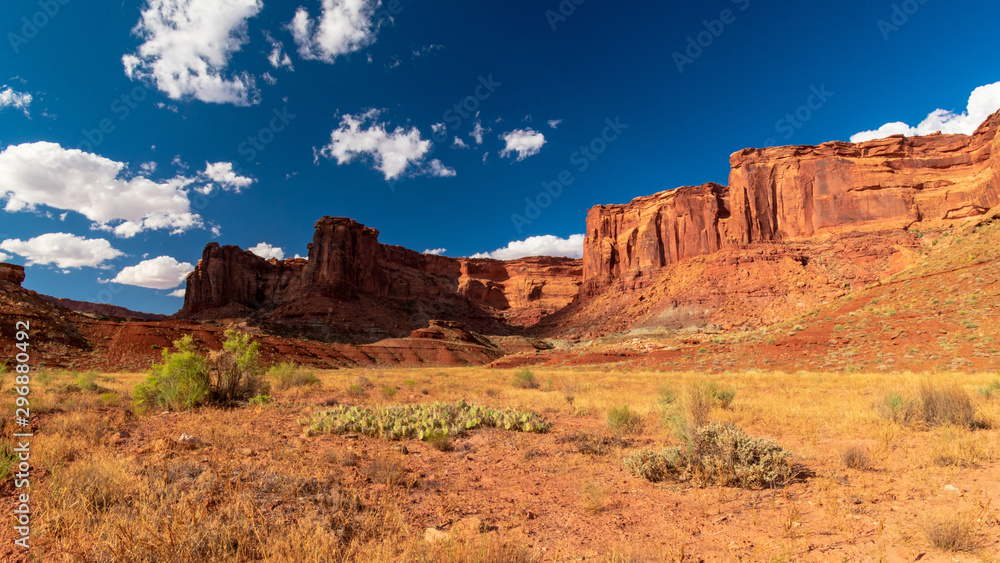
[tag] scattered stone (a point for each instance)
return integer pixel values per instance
(190, 442)
(950, 489)
(433, 535)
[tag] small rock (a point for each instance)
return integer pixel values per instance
(433, 535)
(468, 526)
(189, 441)
(401, 449)
(950, 489)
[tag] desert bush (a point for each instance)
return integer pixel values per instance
(622, 421)
(357, 391)
(485, 548)
(8, 461)
(725, 397)
(439, 440)
(946, 405)
(289, 374)
(238, 372)
(388, 392)
(985, 392)
(656, 466)
(951, 533)
(260, 400)
(722, 454)
(181, 382)
(421, 421)
(856, 457)
(592, 497)
(187, 379)
(525, 379)
(898, 408)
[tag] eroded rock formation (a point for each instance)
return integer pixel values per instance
(353, 288)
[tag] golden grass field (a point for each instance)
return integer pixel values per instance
(112, 485)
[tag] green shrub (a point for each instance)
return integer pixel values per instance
(110, 399)
(357, 391)
(525, 379)
(898, 408)
(187, 379)
(8, 461)
(87, 382)
(181, 382)
(721, 454)
(421, 421)
(725, 397)
(388, 392)
(288, 374)
(622, 421)
(439, 439)
(260, 400)
(238, 372)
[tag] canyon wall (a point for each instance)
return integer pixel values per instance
(791, 193)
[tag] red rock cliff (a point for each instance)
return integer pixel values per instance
(795, 193)
(399, 288)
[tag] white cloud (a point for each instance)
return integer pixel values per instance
(436, 251)
(424, 51)
(10, 98)
(983, 102)
(344, 26)
(278, 57)
(159, 273)
(391, 153)
(269, 79)
(439, 128)
(438, 170)
(148, 167)
(223, 174)
(187, 45)
(525, 142)
(177, 293)
(4, 257)
(546, 245)
(266, 251)
(554, 123)
(63, 249)
(478, 132)
(458, 143)
(45, 174)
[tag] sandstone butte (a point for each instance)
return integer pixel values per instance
(797, 225)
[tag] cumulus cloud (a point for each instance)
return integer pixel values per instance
(524, 142)
(458, 143)
(436, 251)
(266, 251)
(278, 57)
(63, 249)
(10, 98)
(222, 173)
(159, 273)
(554, 123)
(177, 293)
(983, 102)
(546, 245)
(4, 257)
(478, 131)
(391, 153)
(187, 46)
(45, 174)
(344, 26)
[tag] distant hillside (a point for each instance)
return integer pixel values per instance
(103, 309)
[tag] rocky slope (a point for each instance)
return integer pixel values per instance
(103, 309)
(354, 289)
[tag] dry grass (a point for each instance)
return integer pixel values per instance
(289, 503)
(951, 533)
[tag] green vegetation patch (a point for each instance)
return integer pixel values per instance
(423, 422)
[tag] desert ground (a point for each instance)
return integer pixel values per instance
(872, 478)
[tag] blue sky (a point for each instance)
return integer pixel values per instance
(244, 121)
